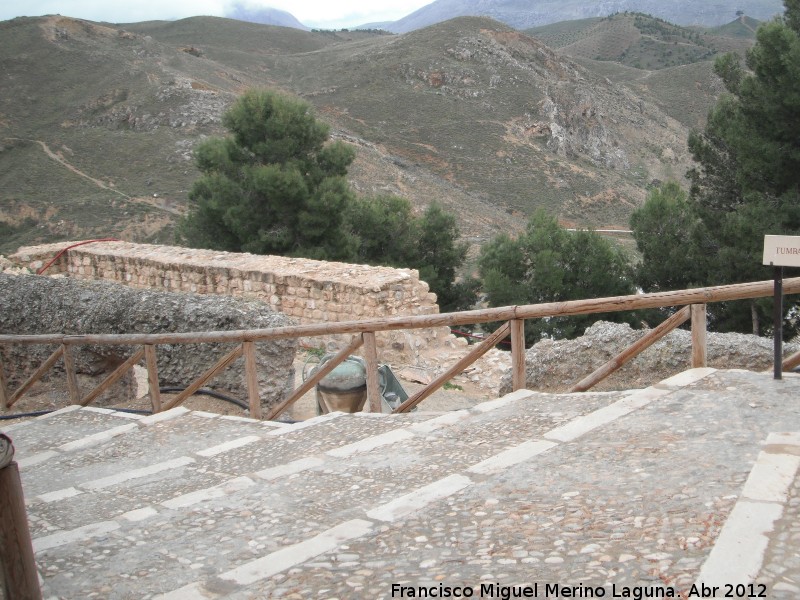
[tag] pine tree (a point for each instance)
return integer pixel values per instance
(747, 181)
(666, 230)
(549, 264)
(273, 186)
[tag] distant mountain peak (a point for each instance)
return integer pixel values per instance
(264, 16)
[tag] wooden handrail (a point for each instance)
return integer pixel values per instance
(513, 316)
(722, 293)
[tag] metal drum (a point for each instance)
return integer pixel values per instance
(345, 388)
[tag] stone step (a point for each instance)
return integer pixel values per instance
(127, 488)
(170, 455)
(43, 438)
(640, 499)
(580, 489)
(111, 451)
(322, 491)
(580, 481)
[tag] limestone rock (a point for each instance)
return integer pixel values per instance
(554, 366)
(45, 305)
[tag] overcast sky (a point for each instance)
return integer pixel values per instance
(331, 14)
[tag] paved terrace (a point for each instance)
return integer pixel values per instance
(638, 494)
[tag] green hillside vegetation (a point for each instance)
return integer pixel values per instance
(686, 93)
(564, 33)
(240, 43)
(644, 42)
(743, 27)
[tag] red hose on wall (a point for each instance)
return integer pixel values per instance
(61, 253)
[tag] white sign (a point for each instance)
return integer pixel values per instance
(782, 250)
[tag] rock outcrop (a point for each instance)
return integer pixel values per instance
(32, 304)
(554, 366)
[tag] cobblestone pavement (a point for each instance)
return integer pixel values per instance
(685, 489)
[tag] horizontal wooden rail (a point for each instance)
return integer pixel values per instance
(513, 316)
(722, 293)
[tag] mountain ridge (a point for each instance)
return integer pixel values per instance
(264, 16)
(523, 14)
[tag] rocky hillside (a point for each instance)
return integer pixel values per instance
(671, 64)
(472, 113)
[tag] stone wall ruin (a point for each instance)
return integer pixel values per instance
(308, 291)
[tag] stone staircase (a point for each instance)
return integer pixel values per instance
(651, 490)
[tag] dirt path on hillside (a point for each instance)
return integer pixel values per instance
(61, 160)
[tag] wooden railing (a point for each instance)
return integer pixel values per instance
(693, 302)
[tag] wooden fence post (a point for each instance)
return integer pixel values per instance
(518, 374)
(151, 360)
(72, 377)
(20, 580)
(251, 375)
(699, 346)
(4, 396)
(371, 357)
